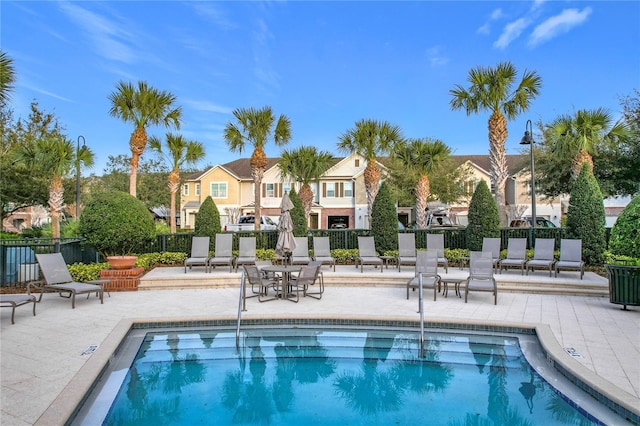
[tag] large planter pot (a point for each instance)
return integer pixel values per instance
(121, 262)
(624, 285)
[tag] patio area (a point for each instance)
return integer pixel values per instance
(41, 355)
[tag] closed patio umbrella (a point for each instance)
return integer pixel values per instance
(286, 242)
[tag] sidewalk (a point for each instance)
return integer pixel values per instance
(41, 355)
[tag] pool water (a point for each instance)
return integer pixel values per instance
(337, 376)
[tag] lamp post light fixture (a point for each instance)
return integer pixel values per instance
(78, 175)
(527, 139)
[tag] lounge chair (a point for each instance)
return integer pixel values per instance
(247, 253)
(258, 280)
(427, 268)
(14, 300)
(322, 251)
(516, 255)
(300, 255)
(58, 279)
(542, 255)
(436, 242)
(406, 250)
(223, 254)
(492, 245)
(570, 256)
(199, 254)
(481, 275)
(367, 253)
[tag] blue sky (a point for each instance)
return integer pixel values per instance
(325, 65)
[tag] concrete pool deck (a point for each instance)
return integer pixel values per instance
(41, 355)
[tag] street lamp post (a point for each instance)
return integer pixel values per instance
(527, 139)
(78, 175)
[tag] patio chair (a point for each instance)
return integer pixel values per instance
(481, 275)
(14, 300)
(247, 252)
(223, 254)
(319, 279)
(427, 270)
(406, 249)
(305, 278)
(516, 255)
(492, 245)
(199, 254)
(436, 242)
(322, 251)
(367, 253)
(58, 279)
(542, 255)
(300, 255)
(261, 282)
(570, 256)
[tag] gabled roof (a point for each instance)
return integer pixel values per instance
(515, 163)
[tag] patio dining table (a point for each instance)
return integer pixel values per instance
(285, 271)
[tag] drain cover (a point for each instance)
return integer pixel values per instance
(90, 350)
(574, 353)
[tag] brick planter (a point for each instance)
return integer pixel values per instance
(122, 279)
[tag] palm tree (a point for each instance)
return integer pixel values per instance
(305, 164)
(581, 135)
(143, 106)
(491, 90)
(7, 77)
(370, 138)
(254, 127)
(55, 157)
(179, 152)
(419, 158)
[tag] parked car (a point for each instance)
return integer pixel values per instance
(525, 222)
(338, 225)
(440, 219)
(247, 223)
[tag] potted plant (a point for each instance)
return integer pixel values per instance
(624, 268)
(117, 224)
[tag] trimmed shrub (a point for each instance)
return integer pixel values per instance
(484, 219)
(625, 234)
(384, 220)
(208, 220)
(116, 223)
(586, 216)
(297, 215)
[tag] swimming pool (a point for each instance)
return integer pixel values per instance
(331, 375)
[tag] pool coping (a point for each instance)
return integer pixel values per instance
(67, 402)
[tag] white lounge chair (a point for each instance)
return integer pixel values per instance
(199, 254)
(427, 269)
(481, 275)
(300, 255)
(542, 255)
(367, 254)
(247, 253)
(570, 257)
(322, 251)
(436, 242)
(516, 255)
(406, 249)
(223, 254)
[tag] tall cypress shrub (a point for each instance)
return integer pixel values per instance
(625, 235)
(384, 220)
(297, 215)
(586, 216)
(484, 219)
(208, 220)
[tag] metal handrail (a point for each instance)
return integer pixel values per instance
(241, 307)
(421, 311)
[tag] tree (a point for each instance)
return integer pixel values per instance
(298, 215)
(7, 77)
(583, 134)
(142, 106)
(419, 158)
(484, 220)
(56, 157)
(254, 127)
(586, 216)
(491, 90)
(384, 220)
(179, 152)
(370, 139)
(625, 235)
(305, 164)
(207, 220)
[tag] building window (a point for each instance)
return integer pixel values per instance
(286, 187)
(348, 189)
(357, 162)
(331, 190)
(270, 190)
(185, 189)
(470, 187)
(218, 190)
(197, 189)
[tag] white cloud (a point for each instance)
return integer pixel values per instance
(511, 32)
(207, 106)
(486, 27)
(213, 14)
(496, 14)
(435, 56)
(559, 24)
